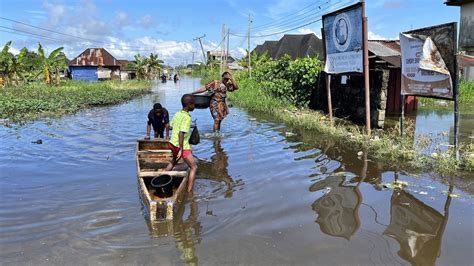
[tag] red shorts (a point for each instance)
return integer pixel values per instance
(175, 150)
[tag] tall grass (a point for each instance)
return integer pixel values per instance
(28, 102)
(385, 146)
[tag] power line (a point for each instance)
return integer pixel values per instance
(57, 32)
(287, 30)
(284, 18)
(134, 48)
(22, 34)
(288, 19)
(107, 47)
(303, 19)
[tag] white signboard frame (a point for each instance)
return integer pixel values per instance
(343, 37)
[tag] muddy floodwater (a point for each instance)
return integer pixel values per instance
(266, 194)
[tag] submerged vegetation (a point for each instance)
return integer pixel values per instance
(18, 104)
(280, 88)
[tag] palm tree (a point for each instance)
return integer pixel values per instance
(139, 65)
(55, 61)
(153, 65)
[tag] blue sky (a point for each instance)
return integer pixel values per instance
(168, 27)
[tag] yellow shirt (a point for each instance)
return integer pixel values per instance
(181, 123)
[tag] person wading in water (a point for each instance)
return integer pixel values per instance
(218, 106)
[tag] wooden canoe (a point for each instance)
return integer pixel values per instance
(152, 157)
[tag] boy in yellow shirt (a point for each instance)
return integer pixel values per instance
(179, 143)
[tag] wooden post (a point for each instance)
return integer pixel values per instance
(366, 71)
(328, 89)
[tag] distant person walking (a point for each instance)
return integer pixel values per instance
(219, 89)
(179, 143)
(159, 118)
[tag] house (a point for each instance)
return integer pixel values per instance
(295, 45)
(347, 92)
(466, 36)
(126, 72)
(95, 64)
(218, 56)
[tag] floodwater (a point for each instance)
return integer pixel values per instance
(266, 194)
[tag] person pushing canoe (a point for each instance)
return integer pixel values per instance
(159, 118)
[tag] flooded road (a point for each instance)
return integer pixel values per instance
(266, 194)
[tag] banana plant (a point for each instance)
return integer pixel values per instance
(53, 62)
(12, 67)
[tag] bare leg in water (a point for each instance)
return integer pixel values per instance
(217, 125)
(192, 172)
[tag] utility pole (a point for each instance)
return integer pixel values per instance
(250, 23)
(227, 51)
(192, 65)
(222, 49)
(202, 48)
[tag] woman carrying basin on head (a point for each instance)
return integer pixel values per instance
(219, 89)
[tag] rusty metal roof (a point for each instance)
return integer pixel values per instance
(389, 51)
(95, 57)
(457, 2)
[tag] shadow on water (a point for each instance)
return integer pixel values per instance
(185, 229)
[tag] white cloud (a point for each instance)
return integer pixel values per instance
(308, 31)
(374, 36)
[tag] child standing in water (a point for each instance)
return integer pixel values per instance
(179, 143)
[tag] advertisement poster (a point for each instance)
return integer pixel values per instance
(343, 39)
(428, 61)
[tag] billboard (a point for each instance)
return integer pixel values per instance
(343, 38)
(428, 61)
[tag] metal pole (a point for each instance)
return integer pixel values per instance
(402, 115)
(227, 51)
(222, 49)
(328, 89)
(192, 66)
(202, 48)
(366, 71)
(456, 96)
(250, 71)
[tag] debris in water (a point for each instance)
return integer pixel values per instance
(396, 185)
(423, 193)
(452, 195)
(328, 189)
(252, 119)
(39, 141)
(289, 134)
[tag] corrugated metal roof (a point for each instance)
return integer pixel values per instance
(457, 2)
(380, 48)
(95, 57)
(389, 51)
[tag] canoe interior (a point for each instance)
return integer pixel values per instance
(152, 158)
